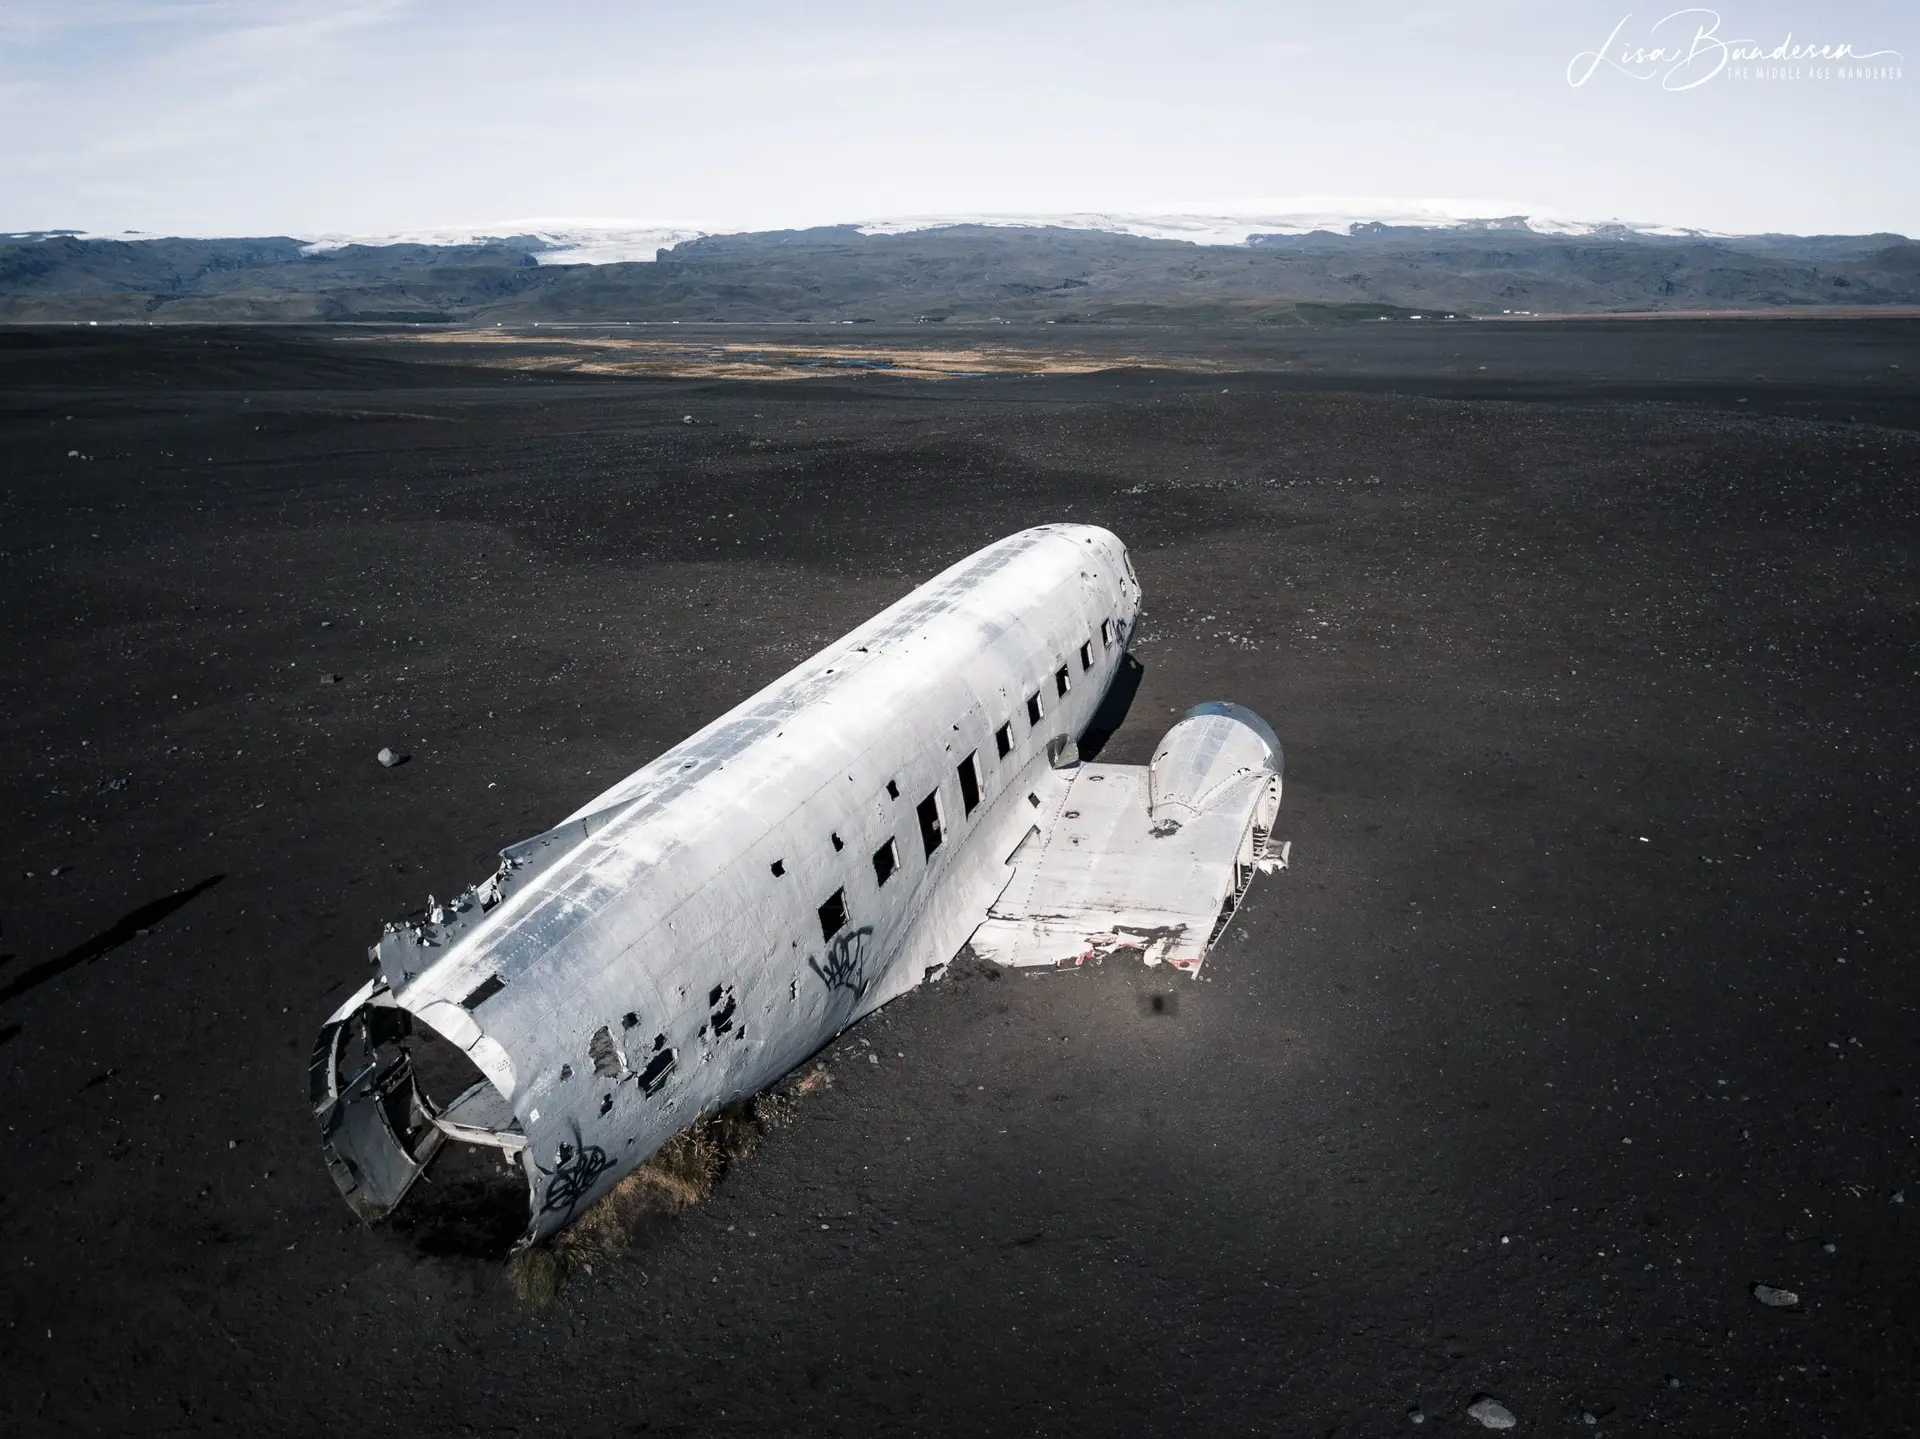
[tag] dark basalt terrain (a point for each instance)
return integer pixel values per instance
(962, 272)
(1587, 1004)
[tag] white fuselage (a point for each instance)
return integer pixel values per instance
(712, 920)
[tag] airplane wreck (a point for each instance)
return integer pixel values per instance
(691, 935)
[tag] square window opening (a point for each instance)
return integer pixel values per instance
(969, 784)
(929, 812)
(1033, 708)
(893, 789)
(886, 860)
(1106, 634)
(779, 868)
(1086, 655)
(1062, 681)
(833, 914)
(1003, 739)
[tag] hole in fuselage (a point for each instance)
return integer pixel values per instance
(929, 814)
(659, 1068)
(969, 784)
(604, 1053)
(722, 1003)
(833, 914)
(486, 990)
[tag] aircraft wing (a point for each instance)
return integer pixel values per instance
(1151, 858)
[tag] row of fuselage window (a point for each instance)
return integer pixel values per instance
(886, 859)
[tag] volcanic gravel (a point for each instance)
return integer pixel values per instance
(1586, 1006)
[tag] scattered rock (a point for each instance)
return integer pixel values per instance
(389, 758)
(1899, 1195)
(1417, 1415)
(1773, 1298)
(329, 679)
(1587, 1417)
(873, 1059)
(688, 420)
(1673, 1381)
(1491, 1414)
(1827, 1248)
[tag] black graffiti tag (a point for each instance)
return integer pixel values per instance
(846, 963)
(581, 1165)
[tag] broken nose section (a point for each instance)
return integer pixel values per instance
(375, 1069)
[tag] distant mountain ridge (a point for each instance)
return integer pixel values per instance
(1196, 269)
(603, 242)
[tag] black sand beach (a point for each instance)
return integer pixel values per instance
(1587, 1003)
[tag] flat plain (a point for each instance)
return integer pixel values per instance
(1586, 1004)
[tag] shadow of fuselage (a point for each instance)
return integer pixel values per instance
(1113, 707)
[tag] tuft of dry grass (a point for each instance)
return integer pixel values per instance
(681, 1173)
(685, 1168)
(536, 1276)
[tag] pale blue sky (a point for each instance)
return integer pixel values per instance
(313, 116)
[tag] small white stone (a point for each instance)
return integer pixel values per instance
(388, 758)
(1491, 1414)
(1775, 1298)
